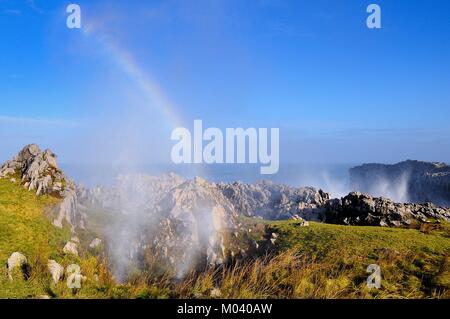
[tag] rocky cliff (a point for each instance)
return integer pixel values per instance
(275, 201)
(187, 222)
(412, 181)
(364, 210)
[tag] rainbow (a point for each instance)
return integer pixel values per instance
(125, 62)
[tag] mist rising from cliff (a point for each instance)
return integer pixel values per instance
(395, 189)
(163, 220)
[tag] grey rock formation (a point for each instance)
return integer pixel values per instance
(38, 171)
(203, 215)
(71, 248)
(185, 223)
(365, 210)
(408, 181)
(18, 260)
(275, 201)
(70, 210)
(177, 222)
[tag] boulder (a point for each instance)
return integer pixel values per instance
(300, 221)
(70, 248)
(18, 261)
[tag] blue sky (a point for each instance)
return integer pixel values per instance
(338, 91)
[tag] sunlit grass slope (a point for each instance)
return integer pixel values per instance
(26, 228)
(330, 261)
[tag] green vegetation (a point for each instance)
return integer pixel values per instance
(319, 261)
(330, 261)
(414, 262)
(26, 228)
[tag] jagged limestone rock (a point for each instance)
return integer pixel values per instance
(362, 209)
(185, 222)
(38, 171)
(275, 201)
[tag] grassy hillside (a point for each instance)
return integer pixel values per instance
(330, 261)
(415, 263)
(26, 228)
(319, 261)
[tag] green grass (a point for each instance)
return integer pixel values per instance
(414, 264)
(25, 227)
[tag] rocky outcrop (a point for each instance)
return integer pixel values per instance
(275, 201)
(195, 219)
(176, 222)
(365, 210)
(70, 210)
(185, 223)
(18, 261)
(408, 181)
(38, 171)
(263, 199)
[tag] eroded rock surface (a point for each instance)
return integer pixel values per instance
(275, 201)
(185, 223)
(38, 171)
(362, 209)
